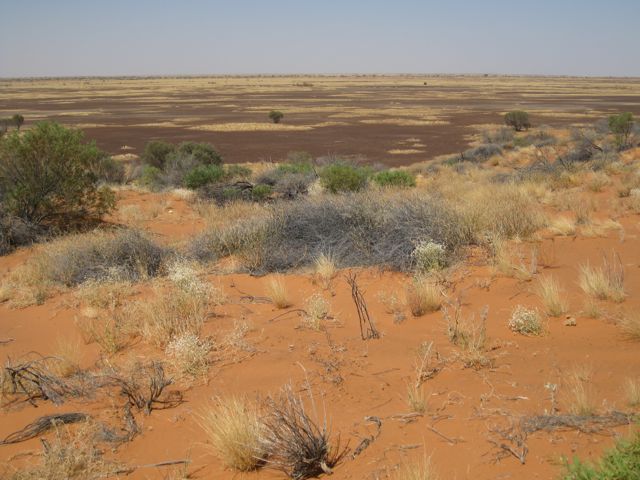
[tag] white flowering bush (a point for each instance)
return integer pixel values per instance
(428, 256)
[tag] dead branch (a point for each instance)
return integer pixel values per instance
(42, 425)
(582, 423)
(365, 442)
(367, 326)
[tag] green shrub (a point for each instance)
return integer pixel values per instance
(203, 175)
(109, 170)
(156, 153)
(46, 176)
(238, 171)
(394, 178)
(518, 120)
(620, 463)
(203, 153)
(621, 126)
(276, 116)
(343, 177)
(150, 177)
(261, 192)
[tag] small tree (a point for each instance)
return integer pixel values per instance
(18, 120)
(621, 126)
(47, 176)
(517, 119)
(276, 116)
(156, 153)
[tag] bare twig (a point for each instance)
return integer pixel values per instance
(42, 425)
(367, 326)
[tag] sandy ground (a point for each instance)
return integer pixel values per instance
(352, 379)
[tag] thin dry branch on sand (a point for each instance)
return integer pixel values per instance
(32, 380)
(367, 327)
(296, 445)
(42, 425)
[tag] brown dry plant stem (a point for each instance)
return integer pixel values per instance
(367, 326)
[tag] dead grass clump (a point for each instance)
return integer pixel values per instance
(563, 226)
(606, 282)
(630, 325)
(526, 321)
(109, 295)
(295, 444)
(597, 181)
(108, 330)
(190, 354)
(277, 291)
(416, 471)
(632, 390)
(423, 296)
(68, 355)
(392, 305)
(470, 335)
(317, 310)
(580, 392)
(234, 430)
(552, 296)
(512, 262)
(325, 269)
(72, 455)
(415, 399)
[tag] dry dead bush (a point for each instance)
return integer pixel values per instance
(526, 321)
(630, 325)
(469, 334)
(71, 454)
(392, 305)
(552, 296)
(277, 291)
(416, 399)
(294, 442)
(143, 385)
(317, 310)
(423, 296)
(606, 282)
(511, 262)
(234, 432)
(109, 295)
(68, 355)
(190, 354)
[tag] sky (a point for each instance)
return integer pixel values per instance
(193, 37)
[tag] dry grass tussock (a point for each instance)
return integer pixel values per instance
(470, 334)
(277, 292)
(109, 330)
(552, 296)
(190, 354)
(605, 282)
(630, 325)
(632, 391)
(178, 307)
(71, 454)
(580, 392)
(423, 296)
(421, 470)
(234, 431)
(325, 270)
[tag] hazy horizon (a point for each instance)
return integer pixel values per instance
(284, 37)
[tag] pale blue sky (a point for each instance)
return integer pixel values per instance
(155, 37)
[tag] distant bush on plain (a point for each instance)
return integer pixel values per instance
(518, 120)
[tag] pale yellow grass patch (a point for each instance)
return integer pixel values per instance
(261, 127)
(404, 122)
(406, 151)
(603, 283)
(423, 296)
(563, 226)
(552, 295)
(277, 291)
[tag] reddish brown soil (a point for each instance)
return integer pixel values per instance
(126, 104)
(352, 379)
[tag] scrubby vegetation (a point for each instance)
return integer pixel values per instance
(517, 119)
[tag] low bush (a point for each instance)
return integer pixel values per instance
(481, 153)
(203, 175)
(518, 120)
(621, 126)
(203, 153)
(526, 321)
(120, 255)
(394, 178)
(343, 177)
(276, 116)
(356, 230)
(156, 152)
(500, 136)
(15, 232)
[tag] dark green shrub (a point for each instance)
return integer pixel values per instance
(46, 176)
(18, 120)
(276, 116)
(620, 463)
(261, 192)
(156, 153)
(621, 126)
(518, 120)
(343, 177)
(394, 178)
(204, 175)
(203, 153)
